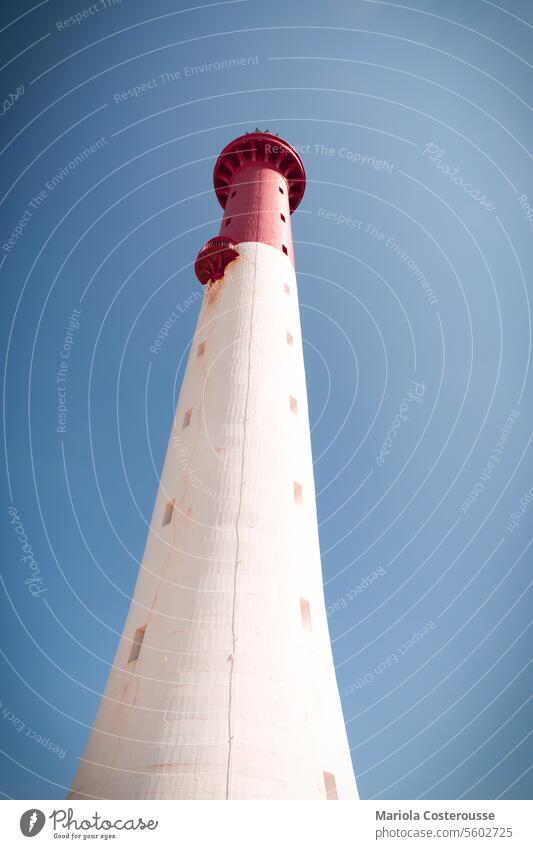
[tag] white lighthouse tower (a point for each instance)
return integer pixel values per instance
(223, 685)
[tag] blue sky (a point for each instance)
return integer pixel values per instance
(414, 266)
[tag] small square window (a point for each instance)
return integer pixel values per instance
(282, 216)
(297, 492)
(305, 610)
(284, 249)
(281, 190)
(287, 289)
(169, 509)
(136, 644)
(289, 338)
(187, 418)
(294, 405)
(201, 349)
(228, 222)
(330, 785)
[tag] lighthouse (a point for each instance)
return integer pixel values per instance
(223, 685)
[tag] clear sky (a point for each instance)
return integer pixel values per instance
(413, 251)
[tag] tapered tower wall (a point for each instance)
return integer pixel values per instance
(223, 685)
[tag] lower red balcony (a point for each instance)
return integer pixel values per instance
(212, 260)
